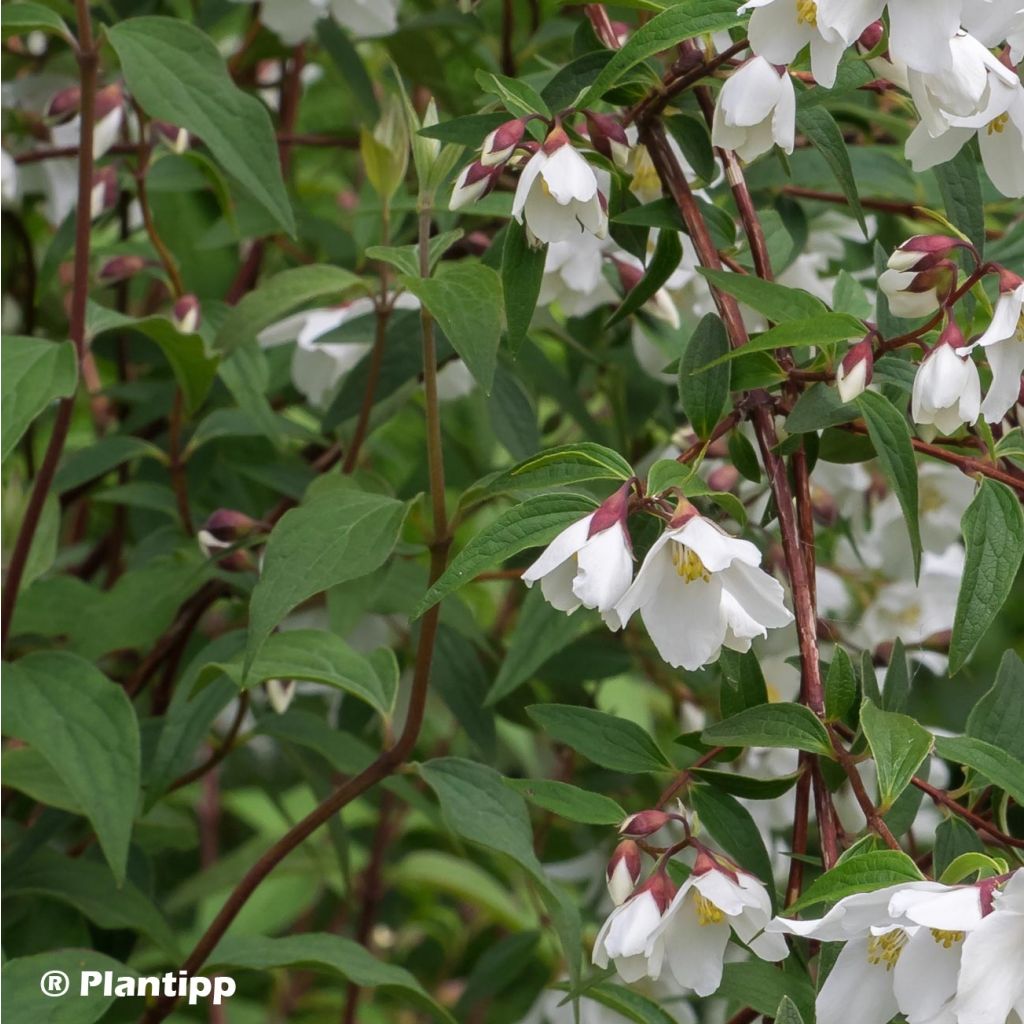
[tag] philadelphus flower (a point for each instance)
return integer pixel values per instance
(920, 275)
(700, 589)
(756, 109)
(475, 180)
(294, 21)
(1003, 342)
(780, 29)
(853, 374)
(627, 938)
(557, 195)
(623, 871)
(589, 564)
(947, 388)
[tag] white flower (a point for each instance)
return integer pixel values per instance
(573, 276)
(694, 931)
(853, 374)
(627, 938)
(280, 693)
(557, 194)
(993, 21)
(294, 21)
(590, 563)
(919, 30)
(1003, 342)
(699, 589)
(475, 180)
(780, 29)
(947, 388)
(756, 109)
(992, 966)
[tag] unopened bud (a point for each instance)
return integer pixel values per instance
(608, 137)
(280, 693)
(854, 373)
(630, 275)
(225, 528)
(623, 871)
(103, 196)
(922, 251)
(473, 183)
(871, 36)
(120, 268)
(643, 824)
(109, 99)
(64, 104)
(176, 139)
(186, 314)
(502, 142)
(723, 478)
(918, 292)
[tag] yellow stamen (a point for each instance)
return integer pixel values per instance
(886, 949)
(945, 938)
(910, 615)
(997, 124)
(688, 564)
(807, 13)
(707, 912)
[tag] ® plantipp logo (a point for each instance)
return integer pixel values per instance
(107, 983)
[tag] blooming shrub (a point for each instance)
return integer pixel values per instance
(513, 511)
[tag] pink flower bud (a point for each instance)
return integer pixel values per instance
(474, 182)
(109, 99)
(630, 275)
(608, 137)
(501, 143)
(854, 373)
(64, 104)
(623, 871)
(871, 36)
(120, 268)
(823, 506)
(104, 191)
(175, 138)
(723, 478)
(643, 824)
(923, 251)
(225, 528)
(186, 314)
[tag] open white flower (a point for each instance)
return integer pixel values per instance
(573, 276)
(1003, 341)
(700, 589)
(557, 195)
(947, 388)
(294, 21)
(756, 109)
(590, 563)
(693, 933)
(991, 982)
(627, 938)
(996, 21)
(780, 29)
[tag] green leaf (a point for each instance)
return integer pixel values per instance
(311, 654)
(541, 632)
(520, 97)
(626, 1003)
(346, 59)
(772, 725)
(821, 130)
(787, 1013)
(99, 458)
(406, 258)
(470, 130)
(744, 785)
(762, 986)
(336, 534)
(663, 32)
(953, 837)
(864, 872)
(522, 271)
(465, 299)
(22, 18)
(569, 801)
(960, 187)
(607, 740)
(777, 302)
(899, 746)
(817, 408)
(822, 329)
(331, 954)
(993, 529)
(703, 395)
(25, 999)
(176, 74)
(35, 373)
(84, 725)
(840, 686)
(535, 521)
(667, 254)
(276, 298)
(733, 828)
(890, 435)
(980, 864)
(1000, 768)
(998, 717)
(666, 473)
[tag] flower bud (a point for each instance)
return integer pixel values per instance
(186, 314)
(225, 528)
(120, 268)
(823, 506)
(64, 104)
(280, 693)
(853, 374)
(919, 292)
(723, 478)
(623, 871)
(109, 99)
(871, 36)
(608, 137)
(103, 196)
(473, 183)
(643, 824)
(914, 253)
(502, 142)
(385, 150)
(176, 139)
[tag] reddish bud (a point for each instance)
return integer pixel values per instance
(924, 251)
(108, 99)
(823, 506)
(723, 478)
(623, 871)
(871, 36)
(64, 104)
(103, 196)
(855, 371)
(186, 314)
(175, 138)
(644, 824)
(608, 137)
(630, 275)
(120, 268)
(225, 528)
(501, 143)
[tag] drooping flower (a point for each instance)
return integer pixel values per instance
(500, 144)
(475, 180)
(627, 938)
(756, 109)
(294, 21)
(700, 589)
(780, 29)
(715, 900)
(947, 388)
(590, 563)
(920, 291)
(557, 196)
(853, 374)
(1003, 342)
